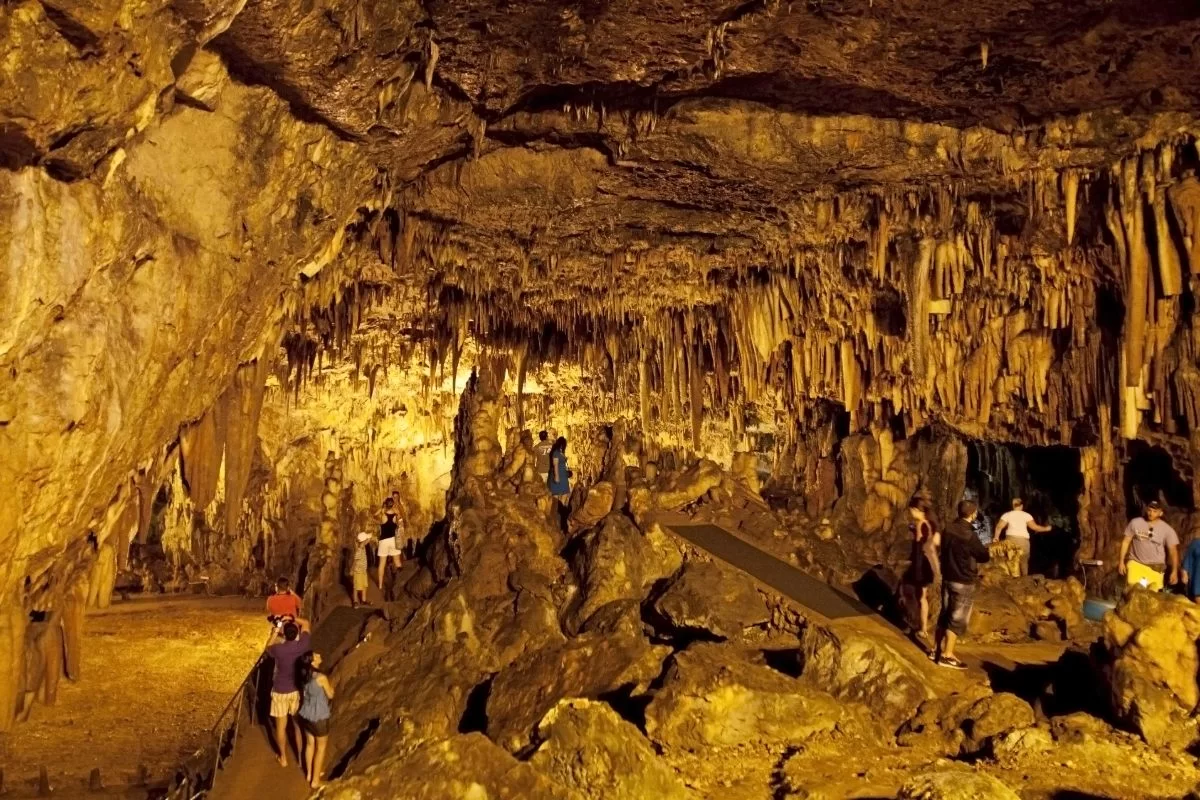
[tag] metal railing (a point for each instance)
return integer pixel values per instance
(196, 776)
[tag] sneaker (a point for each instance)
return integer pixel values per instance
(951, 662)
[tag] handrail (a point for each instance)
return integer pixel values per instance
(198, 774)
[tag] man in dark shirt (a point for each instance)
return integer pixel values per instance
(285, 695)
(962, 552)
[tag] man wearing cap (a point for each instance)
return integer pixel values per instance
(1148, 546)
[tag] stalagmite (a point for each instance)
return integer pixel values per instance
(13, 619)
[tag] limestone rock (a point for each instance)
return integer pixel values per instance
(1151, 639)
(713, 696)
(465, 766)
(596, 506)
(955, 783)
(203, 81)
(969, 722)
(706, 596)
(587, 747)
(587, 666)
(615, 561)
(675, 490)
(862, 665)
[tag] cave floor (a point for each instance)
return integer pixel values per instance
(156, 674)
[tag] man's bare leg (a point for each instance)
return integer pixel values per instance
(948, 645)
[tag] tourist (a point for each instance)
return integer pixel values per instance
(1191, 569)
(559, 480)
(314, 714)
(1148, 545)
(1015, 526)
(962, 552)
(922, 571)
(542, 451)
(285, 697)
(387, 548)
(284, 604)
(358, 571)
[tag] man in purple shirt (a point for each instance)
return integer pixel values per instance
(1150, 551)
(285, 695)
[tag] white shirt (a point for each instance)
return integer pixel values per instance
(1017, 523)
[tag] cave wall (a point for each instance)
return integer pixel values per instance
(132, 297)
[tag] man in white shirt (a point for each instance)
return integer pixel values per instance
(1015, 526)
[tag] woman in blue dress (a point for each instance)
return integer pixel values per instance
(559, 479)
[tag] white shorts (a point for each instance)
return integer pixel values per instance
(286, 704)
(387, 547)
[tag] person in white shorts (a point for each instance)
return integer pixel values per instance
(1015, 526)
(285, 695)
(388, 548)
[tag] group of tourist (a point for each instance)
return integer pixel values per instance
(951, 557)
(300, 691)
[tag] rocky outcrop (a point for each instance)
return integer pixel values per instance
(1151, 642)
(970, 722)
(708, 598)
(616, 561)
(466, 766)
(864, 666)
(713, 696)
(586, 746)
(955, 783)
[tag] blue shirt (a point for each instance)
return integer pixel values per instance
(558, 466)
(1191, 565)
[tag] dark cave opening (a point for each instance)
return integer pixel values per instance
(1048, 479)
(1150, 474)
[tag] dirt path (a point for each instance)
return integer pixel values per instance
(156, 674)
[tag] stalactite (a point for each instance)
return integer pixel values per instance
(203, 446)
(243, 403)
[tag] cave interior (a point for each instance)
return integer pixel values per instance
(775, 268)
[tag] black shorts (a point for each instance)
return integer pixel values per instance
(318, 727)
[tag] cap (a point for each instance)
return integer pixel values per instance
(1157, 506)
(364, 536)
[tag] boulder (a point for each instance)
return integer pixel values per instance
(675, 490)
(595, 507)
(706, 596)
(968, 722)
(615, 561)
(1151, 641)
(589, 748)
(203, 81)
(864, 665)
(464, 766)
(955, 783)
(714, 695)
(588, 666)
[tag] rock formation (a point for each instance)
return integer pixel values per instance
(777, 267)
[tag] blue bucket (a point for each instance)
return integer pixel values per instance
(1094, 608)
